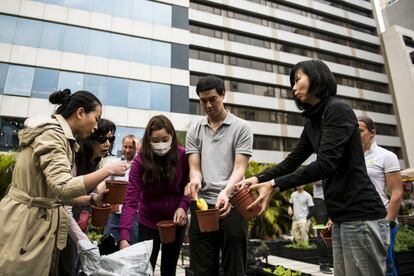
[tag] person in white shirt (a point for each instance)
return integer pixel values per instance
(130, 146)
(384, 171)
(300, 208)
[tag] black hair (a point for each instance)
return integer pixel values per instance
(369, 123)
(322, 82)
(69, 103)
(84, 162)
(210, 82)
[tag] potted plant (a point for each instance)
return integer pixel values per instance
(7, 161)
(404, 249)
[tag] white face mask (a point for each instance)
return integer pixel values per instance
(161, 149)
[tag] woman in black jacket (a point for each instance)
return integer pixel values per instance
(360, 230)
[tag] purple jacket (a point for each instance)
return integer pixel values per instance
(155, 202)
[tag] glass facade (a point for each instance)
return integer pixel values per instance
(140, 10)
(35, 33)
(9, 128)
(40, 83)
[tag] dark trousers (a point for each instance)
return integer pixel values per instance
(169, 252)
(205, 248)
(321, 216)
(68, 259)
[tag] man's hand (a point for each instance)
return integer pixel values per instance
(223, 204)
(192, 188)
(247, 182)
(98, 198)
(180, 216)
(266, 193)
(290, 211)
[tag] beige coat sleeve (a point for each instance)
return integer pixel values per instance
(51, 149)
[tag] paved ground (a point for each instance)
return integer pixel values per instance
(274, 260)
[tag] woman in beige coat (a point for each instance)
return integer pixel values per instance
(33, 221)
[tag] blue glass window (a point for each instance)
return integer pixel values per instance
(139, 94)
(122, 8)
(160, 53)
(45, 82)
(79, 4)
(98, 43)
(142, 11)
(7, 28)
(117, 92)
(97, 86)
(28, 32)
(140, 51)
(160, 97)
(4, 67)
(52, 36)
(120, 47)
(163, 13)
(19, 80)
(72, 81)
(76, 40)
(102, 6)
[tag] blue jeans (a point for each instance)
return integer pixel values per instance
(112, 227)
(391, 269)
(360, 247)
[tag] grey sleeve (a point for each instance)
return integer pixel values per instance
(192, 142)
(244, 143)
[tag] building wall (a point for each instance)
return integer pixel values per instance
(399, 48)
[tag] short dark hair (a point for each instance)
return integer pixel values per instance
(210, 82)
(322, 83)
(369, 123)
(69, 103)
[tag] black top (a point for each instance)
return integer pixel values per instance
(331, 131)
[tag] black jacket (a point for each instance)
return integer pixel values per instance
(331, 131)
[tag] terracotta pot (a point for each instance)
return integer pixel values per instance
(115, 208)
(326, 236)
(241, 200)
(167, 231)
(100, 215)
(208, 220)
(117, 191)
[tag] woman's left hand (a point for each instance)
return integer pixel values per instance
(180, 216)
(98, 198)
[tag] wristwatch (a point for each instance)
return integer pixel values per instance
(275, 187)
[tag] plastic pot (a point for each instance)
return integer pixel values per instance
(326, 236)
(241, 200)
(167, 231)
(208, 220)
(100, 215)
(117, 191)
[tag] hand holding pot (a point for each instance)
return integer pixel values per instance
(180, 216)
(98, 198)
(266, 193)
(247, 182)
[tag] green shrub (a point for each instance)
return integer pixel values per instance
(7, 161)
(301, 245)
(405, 239)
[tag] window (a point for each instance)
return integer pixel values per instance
(96, 85)
(7, 28)
(72, 81)
(120, 47)
(19, 80)
(139, 94)
(9, 128)
(160, 97)
(52, 36)
(142, 11)
(140, 51)
(3, 75)
(117, 92)
(163, 14)
(160, 54)
(98, 43)
(45, 82)
(76, 40)
(28, 32)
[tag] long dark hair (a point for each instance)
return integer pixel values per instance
(84, 162)
(69, 103)
(159, 168)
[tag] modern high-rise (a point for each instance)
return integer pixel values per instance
(144, 57)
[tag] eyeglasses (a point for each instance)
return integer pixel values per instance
(102, 139)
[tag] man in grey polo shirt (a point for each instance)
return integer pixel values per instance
(218, 147)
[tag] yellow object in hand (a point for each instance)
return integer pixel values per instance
(201, 204)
